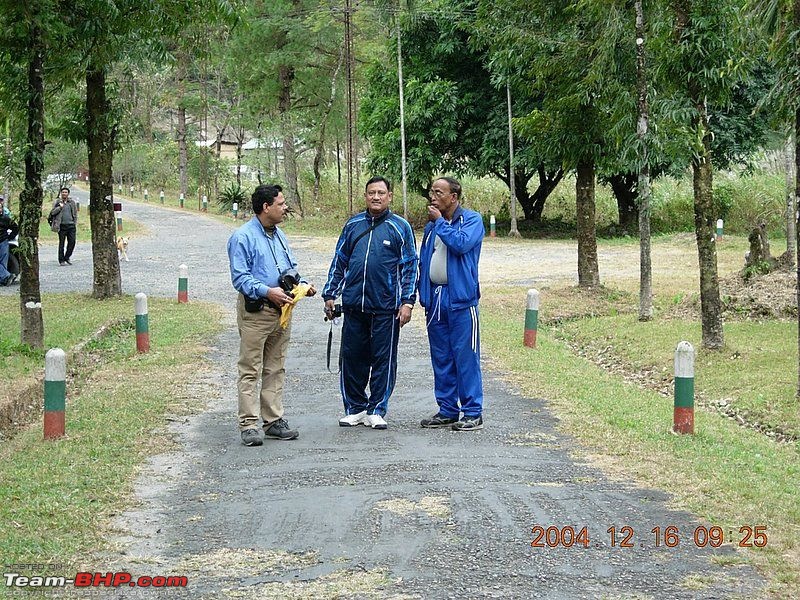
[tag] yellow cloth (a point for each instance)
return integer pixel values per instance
(299, 291)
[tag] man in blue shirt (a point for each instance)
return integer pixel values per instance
(375, 272)
(449, 291)
(258, 253)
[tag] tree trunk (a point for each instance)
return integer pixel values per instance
(286, 76)
(625, 188)
(547, 183)
(100, 142)
(645, 264)
(791, 234)
(705, 231)
(183, 157)
(797, 202)
(30, 206)
(704, 218)
(588, 270)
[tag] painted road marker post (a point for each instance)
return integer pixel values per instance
(183, 284)
(55, 392)
(235, 210)
(118, 212)
(142, 326)
(146, 195)
(182, 198)
(531, 318)
(205, 203)
(161, 196)
(683, 416)
(720, 223)
(131, 190)
(492, 226)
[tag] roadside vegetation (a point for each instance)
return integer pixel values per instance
(56, 497)
(609, 379)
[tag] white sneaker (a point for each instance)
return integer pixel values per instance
(375, 421)
(353, 420)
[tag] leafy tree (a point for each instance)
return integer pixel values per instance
(31, 36)
(455, 108)
(289, 78)
(703, 56)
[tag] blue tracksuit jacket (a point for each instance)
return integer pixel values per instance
(378, 272)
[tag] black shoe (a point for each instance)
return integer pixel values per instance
(251, 437)
(68, 262)
(279, 430)
(438, 420)
(469, 424)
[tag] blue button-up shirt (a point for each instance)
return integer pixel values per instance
(257, 259)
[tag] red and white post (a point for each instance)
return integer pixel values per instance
(531, 318)
(55, 393)
(683, 416)
(142, 325)
(183, 285)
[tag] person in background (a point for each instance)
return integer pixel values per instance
(8, 231)
(64, 221)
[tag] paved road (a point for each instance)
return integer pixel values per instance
(403, 513)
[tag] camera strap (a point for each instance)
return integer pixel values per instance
(330, 343)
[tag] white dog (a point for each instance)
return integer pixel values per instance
(122, 247)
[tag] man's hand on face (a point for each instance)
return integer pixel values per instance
(433, 212)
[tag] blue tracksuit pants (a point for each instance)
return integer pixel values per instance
(368, 354)
(454, 338)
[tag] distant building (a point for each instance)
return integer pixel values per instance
(227, 148)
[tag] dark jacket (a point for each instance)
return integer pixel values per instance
(55, 214)
(8, 228)
(374, 271)
(463, 237)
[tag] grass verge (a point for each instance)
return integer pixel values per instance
(725, 474)
(56, 496)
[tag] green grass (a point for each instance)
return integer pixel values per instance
(56, 497)
(725, 474)
(755, 371)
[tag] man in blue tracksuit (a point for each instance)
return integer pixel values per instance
(375, 272)
(449, 291)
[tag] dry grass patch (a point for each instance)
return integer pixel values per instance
(433, 506)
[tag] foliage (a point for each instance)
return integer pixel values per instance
(232, 193)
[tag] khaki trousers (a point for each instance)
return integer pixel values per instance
(262, 351)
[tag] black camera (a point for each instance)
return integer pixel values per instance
(335, 313)
(288, 279)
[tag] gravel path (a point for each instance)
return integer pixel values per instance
(356, 513)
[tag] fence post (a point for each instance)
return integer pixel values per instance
(719, 229)
(492, 226)
(205, 203)
(181, 200)
(118, 212)
(183, 284)
(55, 392)
(683, 416)
(235, 210)
(531, 318)
(142, 325)
(161, 196)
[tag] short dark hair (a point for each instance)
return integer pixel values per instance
(63, 188)
(455, 185)
(265, 193)
(376, 179)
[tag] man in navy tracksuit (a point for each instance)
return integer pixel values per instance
(375, 272)
(449, 291)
